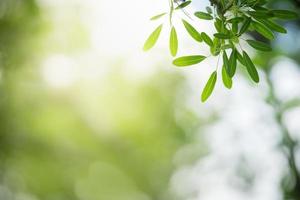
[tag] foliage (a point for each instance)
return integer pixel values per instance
(232, 19)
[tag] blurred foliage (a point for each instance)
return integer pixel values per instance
(95, 143)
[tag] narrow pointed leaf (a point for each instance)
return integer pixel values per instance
(259, 45)
(152, 39)
(207, 39)
(173, 42)
(192, 31)
(263, 30)
(240, 58)
(227, 81)
(183, 5)
(188, 60)
(209, 87)
(203, 15)
(157, 16)
(226, 62)
(232, 63)
(250, 67)
(222, 36)
(285, 14)
(245, 26)
(273, 26)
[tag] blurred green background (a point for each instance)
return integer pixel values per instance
(77, 121)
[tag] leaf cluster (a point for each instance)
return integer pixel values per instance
(232, 19)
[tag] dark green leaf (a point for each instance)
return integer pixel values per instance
(232, 63)
(226, 62)
(157, 16)
(183, 5)
(245, 26)
(263, 30)
(227, 81)
(273, 26)
(261, 14)
(209, 87)
(236, 20)
(192, 31)
(173, 42)
(285, 14)
(188, 60)
(250, 67)
(240, 58)
(259, 45)
(203, 15)
(152, 39)
(207, 39)
(222, 36)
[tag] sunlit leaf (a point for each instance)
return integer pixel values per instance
(173, 42)
(209, 87)
(207, 39)
(227, 81)
(152, 39)
(192, 31)
(158, 16)
(188, 60)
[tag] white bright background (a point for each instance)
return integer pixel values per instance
(246, 133)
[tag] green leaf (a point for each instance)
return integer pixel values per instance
(227, 81)
(222, 36)
(263, 30)
(209, 87)
(226, 62)
(240, 58)
(245, 26)
(250, 67)
(158, 16)
(183, 5)
(236, 20)
(173, 42)
(188, 60)
(261, 14)
(192, 31)
(203, 15)
(259, 45)
(152, 39)
(285, 14)
(232, 63)
(207, 39)
(273, 26)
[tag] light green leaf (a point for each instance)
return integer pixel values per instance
(259, 45)
(158, 16)
(207, 39)
(173, 42)
(152, 39)
(250, 67)
(192, 31)
(188, 60)
(227, 81)
(203, 15)
(209, 87)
